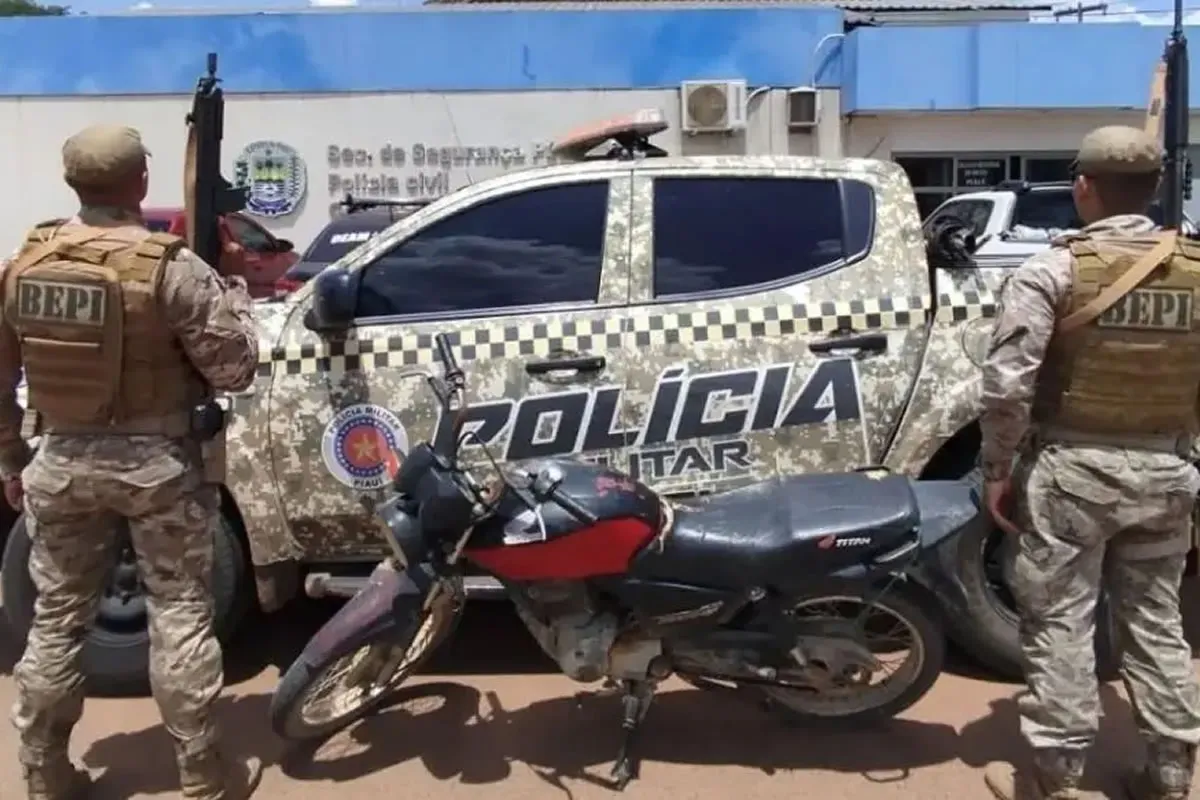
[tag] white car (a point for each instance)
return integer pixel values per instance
(1016, 220)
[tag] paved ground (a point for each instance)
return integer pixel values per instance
(492, 720)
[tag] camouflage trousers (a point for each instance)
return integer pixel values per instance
(1120, 519)
(78, 493)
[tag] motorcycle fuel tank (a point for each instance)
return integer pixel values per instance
(521, 544)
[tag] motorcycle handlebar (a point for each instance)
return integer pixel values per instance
(454, 377)
(571, 506)
(450, 366)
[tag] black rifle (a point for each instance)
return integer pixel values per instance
(1177, 167)
(207, 194)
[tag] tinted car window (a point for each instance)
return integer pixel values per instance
(538, 247)
(714, 234)
(972, 213)
(249, 235)
(343, 235)
(1054, 209)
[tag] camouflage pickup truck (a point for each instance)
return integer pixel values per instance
(700, 322)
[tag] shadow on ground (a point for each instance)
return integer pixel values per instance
(993, 737)
(458, 734)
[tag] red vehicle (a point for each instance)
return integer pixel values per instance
(248, 249)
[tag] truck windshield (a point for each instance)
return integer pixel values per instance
(1046, 210)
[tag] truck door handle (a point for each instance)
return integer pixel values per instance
(567, 362)
(857, 343)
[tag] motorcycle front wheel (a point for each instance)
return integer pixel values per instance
(905, 638)
(315, 700)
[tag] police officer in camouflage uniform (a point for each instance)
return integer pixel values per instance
(1098, 397)
(121, 333)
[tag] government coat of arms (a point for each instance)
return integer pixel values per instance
(275, 175)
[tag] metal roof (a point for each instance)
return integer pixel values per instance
(852, 5)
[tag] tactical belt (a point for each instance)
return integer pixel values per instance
(172, 425)
(1178, 444)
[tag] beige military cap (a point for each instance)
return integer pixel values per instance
(99, 154)
(1119, 150)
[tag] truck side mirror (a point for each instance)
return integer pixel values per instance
(949, 243)
(335, 295)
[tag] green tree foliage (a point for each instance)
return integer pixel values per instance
(28, 8)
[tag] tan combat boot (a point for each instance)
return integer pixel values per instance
(1167, 773)
(1141, 785)
(1010, 783)
(61, 782)
(212, 777)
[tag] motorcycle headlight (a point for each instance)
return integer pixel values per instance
(407, 538)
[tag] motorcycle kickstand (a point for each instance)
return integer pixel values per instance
(635, 704)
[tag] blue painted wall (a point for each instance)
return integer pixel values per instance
(415, 51)
(941, 68)
(1004, 66)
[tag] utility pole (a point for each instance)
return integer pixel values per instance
(1079, 9)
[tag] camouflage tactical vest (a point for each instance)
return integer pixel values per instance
(1134, 370)
(97, 351)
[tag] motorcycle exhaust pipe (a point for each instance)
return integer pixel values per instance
(320, 585)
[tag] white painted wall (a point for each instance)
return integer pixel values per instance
(521, 123)
(34, 129)
(1000, 131)
(1007, 132)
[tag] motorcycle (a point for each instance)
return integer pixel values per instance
(796, 590)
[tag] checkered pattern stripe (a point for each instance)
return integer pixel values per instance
(963, 306)
(698, 327)
(514, 341)
(648, 329)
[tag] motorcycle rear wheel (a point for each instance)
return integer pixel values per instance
(860, 704)
(315, 700)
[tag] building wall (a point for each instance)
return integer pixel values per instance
(998, 66)
(363, 97)
(371, 145)
(381, 87)
(881, 135)
(416, 50)
(986, 144)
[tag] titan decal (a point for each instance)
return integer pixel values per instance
(717, 407)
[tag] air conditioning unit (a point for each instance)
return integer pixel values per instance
(803, 109)
(713, 106)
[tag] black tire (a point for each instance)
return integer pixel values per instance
(924, 620)
(288, 702)
(8, 518)
(987, 631)
(116, 654)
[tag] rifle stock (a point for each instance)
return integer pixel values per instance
(207, 194)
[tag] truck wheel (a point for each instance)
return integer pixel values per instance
(988, 629)
(116, 653)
